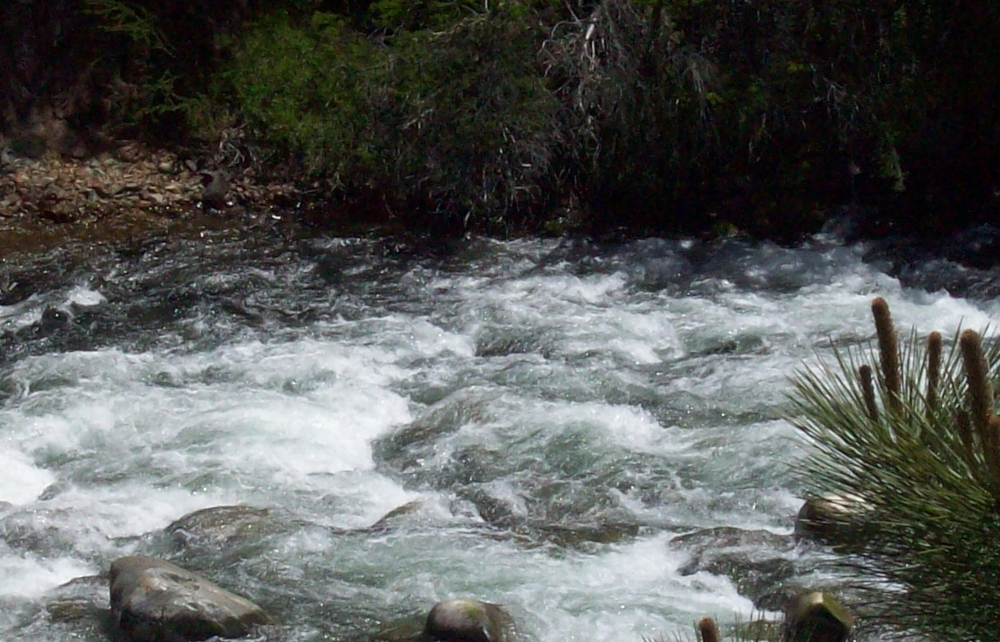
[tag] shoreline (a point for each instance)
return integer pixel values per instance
(131, 193)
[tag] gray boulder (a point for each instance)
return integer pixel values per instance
(153, 600)
(465, 620)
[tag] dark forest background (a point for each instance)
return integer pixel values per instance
(758, 117)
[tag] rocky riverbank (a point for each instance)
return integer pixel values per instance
(131, 191)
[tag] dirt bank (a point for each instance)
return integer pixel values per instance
(130, 192)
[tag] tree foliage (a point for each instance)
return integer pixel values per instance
(658, 116)
(910, 433)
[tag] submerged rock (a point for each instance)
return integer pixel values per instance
(466, 620)
(220, 526)
(77, 609)
(546, 511)
(416, 513)
(404, 450)
(153, 600)
(755, 560)
(38, 530)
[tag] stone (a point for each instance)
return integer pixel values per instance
(817, 617)
(467, 620)
(222, 526)
(216, 190)
(840, 521)
(387, 521)
(154, 600)
(757, 561)
(55, 319)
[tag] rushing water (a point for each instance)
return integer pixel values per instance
(551, 415)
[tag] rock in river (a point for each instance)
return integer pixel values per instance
(465, 620)
(153, 600)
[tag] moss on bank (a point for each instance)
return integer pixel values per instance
(505, 116)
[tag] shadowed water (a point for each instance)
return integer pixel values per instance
(549, 415)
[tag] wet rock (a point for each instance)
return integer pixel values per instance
(216, 190)
(75, 610)
(153, 600)
(54, 319)
(842, 522)
(80, 601)
(222, 526)
(505, 512)
(755, 560)
(817, 617)
(396, 517)
(404, 449)
(536, 514)
(580, 535)
(466, 620)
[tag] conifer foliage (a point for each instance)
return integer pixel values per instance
(909, 431)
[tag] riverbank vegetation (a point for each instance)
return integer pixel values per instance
(907, 433)
(512, 116)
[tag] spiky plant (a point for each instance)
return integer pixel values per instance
(908, 431)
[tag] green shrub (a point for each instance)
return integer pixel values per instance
(455, 124)
(480, 125)
(659, 116)
(304, 90)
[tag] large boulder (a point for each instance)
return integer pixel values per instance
(153, 600)
(465, 620)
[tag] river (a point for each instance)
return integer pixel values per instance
(549, 414)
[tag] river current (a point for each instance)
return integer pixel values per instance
(572, 431)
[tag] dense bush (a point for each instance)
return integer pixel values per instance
(456, 125)
(673, 116)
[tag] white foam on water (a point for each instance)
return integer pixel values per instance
(626, 592)
(85, 297)
(144, 439)
(628, 427)
(126, 443)
(21, 482)
(96, 515)
(29, 577)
